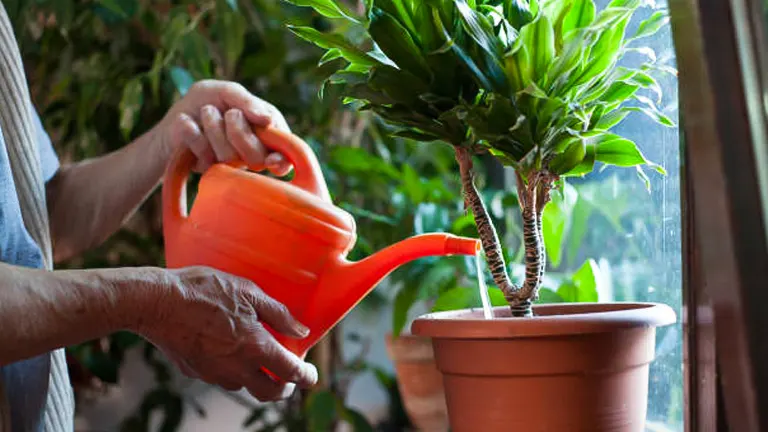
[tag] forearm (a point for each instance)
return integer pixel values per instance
(42, 310)
(91, 200)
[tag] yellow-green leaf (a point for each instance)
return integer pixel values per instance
(539, 36)
(328, 8)
(130, 105)
(652, 25)
(581, 14)
(330, 41)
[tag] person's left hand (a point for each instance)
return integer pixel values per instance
(215, 120)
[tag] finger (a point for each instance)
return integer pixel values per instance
(245, 142)
(257, 111)
(213, 125)
(186, 132)
(265, 389)
(269, 353)
(275, 314)
(278, 164)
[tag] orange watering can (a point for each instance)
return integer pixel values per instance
(285, 236)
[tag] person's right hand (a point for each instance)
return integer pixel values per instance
(210, 324)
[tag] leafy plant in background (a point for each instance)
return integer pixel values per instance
(536, 84)
(103, 72)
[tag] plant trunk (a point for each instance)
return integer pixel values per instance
(533, 196)
(487, 232)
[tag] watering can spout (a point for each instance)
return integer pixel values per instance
(364, 275)
(352, 281)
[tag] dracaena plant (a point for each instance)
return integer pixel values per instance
(538, 84)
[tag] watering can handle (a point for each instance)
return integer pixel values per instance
(308, 174)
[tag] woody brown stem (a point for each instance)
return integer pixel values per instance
(487, 232)
(533, 197)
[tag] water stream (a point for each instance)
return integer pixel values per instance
(487, 311)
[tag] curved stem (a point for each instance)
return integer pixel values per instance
(487, 232)
(533, 197)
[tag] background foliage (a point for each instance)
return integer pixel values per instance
(103, 71)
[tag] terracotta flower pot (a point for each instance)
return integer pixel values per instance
(419, 382)
(573, 367)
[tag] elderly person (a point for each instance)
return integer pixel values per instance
(207, 322)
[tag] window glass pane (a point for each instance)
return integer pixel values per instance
(635, 235)
(631, 232)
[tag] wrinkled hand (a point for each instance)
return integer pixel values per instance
(210, 324)
(214, 120)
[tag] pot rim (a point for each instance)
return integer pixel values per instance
(549, 320)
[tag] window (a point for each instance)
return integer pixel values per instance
(635, 235)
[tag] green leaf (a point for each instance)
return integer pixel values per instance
(404, 300)
(232, 26)
(328, 8)
(321, 410)
(490, 59)
(439, 276)
(644, 80)
(546, 295)
(581, 14)
(357, 420)
(334, 41)
(518, 13)
(582, 211)
(539, 36)
(182, 79)
(518, 67)
(121, 8)
(196, 53)
(130, 105)
(496, 297)
(615, 150)
(415, 135)
(449, 44)
(651, 111)
(569, 159)
(619, 91)
(610, 120)
(652, 25)
(402, 86)
(555, 221)
(396, 42)
(583, 284)
(587, 164)
(604, 54)
(455, 298)
(330, 55)
(479, 28)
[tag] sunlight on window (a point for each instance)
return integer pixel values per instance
(635, 235)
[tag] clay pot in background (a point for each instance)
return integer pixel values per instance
(419, 382)
(573, 367)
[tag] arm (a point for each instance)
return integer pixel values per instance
(207, 322)
(90, 200)
(41, 310)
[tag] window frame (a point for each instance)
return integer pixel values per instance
(721, 55)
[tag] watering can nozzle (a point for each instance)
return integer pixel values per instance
(462, 246)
